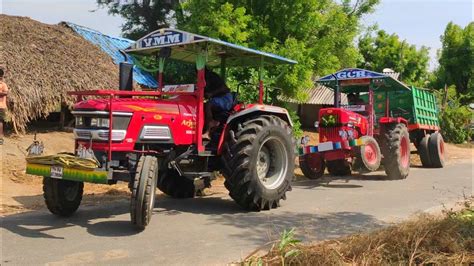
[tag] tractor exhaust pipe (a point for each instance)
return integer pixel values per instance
(337, 93)
(126, 77)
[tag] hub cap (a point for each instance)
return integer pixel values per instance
(272, 163)
(370, 153)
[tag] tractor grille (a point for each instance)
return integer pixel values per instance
(83, 134)
(331, 133)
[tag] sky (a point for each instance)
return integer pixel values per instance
(420, 22)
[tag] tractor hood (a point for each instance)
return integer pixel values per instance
(174, 106)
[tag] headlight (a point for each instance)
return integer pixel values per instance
(99, 122)
(94, 122)
(104, 122)
(79, 121)
(305, 140)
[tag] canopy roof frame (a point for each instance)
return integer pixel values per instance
(186, 46)
(359, 80)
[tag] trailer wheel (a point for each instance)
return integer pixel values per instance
(143, 193)
(259, 162)
(62, 197)
(436, 150)
(339, 167)
(312, 165)
(396, 152)
(367, 156)
(424, 151)
(174, 185)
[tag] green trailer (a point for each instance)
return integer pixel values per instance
(419, 107)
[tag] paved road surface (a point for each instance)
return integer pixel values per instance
(214, 230)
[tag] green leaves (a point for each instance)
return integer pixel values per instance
(456, 60)
(384, 50)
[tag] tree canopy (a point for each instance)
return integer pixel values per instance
(319, 34)
(456, 60)
(382, 50)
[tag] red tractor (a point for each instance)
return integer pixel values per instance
(375, 128)
(155, 138)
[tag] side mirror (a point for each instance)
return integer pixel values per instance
(126, 77)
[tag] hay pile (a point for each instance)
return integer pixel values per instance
(426, 239)
(43, 62)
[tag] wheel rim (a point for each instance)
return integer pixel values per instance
(441, 148)
(314, 163)
(404, 151)
(272, 163)
(370, 153)
(70, 192)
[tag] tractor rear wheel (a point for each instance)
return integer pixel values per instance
(396, 152)
(174, 185)
(367, 156)
(259, 162)
(312, 165)
(143, 193)
(62, 197)
(424, 151)
(339, 167)
(436, 150)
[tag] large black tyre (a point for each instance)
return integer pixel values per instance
(62, 197)
(174, 185)
(396, 151)
(436, 150)
(259, 158)
(339, 167)
(424, 151)
(312, 165)
(143, 192)
(368, 156)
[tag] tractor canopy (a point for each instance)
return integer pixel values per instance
(360, 80)
(188, 47)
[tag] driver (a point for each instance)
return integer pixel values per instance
(353, 99)
(219, 100)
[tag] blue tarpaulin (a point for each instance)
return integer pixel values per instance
(112, 46)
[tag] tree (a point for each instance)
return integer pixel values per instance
(319, 34)
(142, 16)
(456, 60)
(387, 51)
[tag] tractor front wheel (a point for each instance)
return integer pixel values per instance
(62, 197)
(143, 192)
(396, 152)
(259, 162)
(174, 185)
(339, 167)
(367, 156)
(312, 165)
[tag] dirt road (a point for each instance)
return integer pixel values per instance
(214, 230)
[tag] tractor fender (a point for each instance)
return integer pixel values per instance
(393, 120)
(261, 109)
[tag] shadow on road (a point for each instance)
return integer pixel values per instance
(328, 181)
(42, 224)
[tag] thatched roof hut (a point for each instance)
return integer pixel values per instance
(43, 62)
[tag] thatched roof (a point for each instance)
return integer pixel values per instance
(43, 62)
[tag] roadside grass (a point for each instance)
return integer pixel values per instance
(446, 239)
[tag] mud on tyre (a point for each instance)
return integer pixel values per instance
(259, 162)
(62, 197)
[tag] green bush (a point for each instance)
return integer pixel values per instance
(454, 121)
(297, 131)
